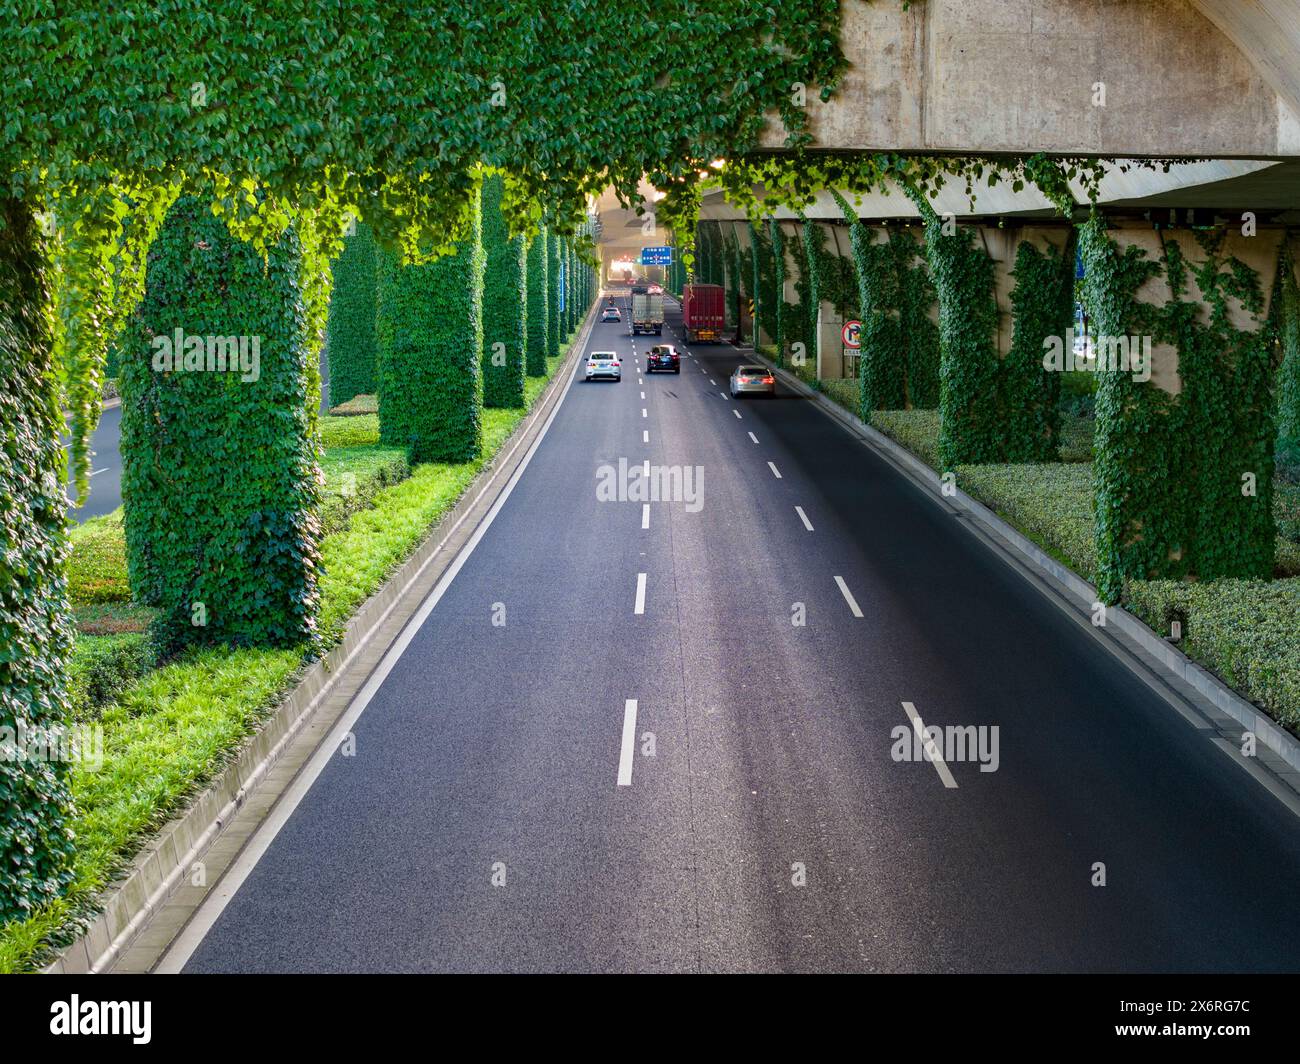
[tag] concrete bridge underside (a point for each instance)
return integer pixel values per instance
(1190, 78)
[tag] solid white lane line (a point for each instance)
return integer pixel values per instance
(628, 749)
(772, 466)
(645, 435)
(737, 413)
(931, 750)
(848, 597)
(645, 515)
(804, 518)
(640, 594)
(644, 413)
(753, 437)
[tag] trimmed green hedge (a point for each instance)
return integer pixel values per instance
(843, 391)
(220, 476)
(538, 307)
(917, 430)
(1076, 436)
(36, 845)
(505, 303)
(1245, 631)
(430, 330)
(103, 667)
(351, 431)
(353, 477)
(350, 333)
(1050, 503)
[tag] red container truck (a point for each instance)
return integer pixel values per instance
(704, 312)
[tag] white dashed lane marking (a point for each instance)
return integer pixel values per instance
(848, 597)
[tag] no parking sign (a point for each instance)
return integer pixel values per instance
(851, 334)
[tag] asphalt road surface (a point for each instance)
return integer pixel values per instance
(105, 493)
(501, 811)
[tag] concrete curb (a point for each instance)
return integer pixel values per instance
(1125, 635)
(262, 769)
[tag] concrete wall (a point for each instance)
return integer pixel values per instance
(1019, 76)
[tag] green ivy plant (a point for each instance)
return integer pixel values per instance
(538, 308)
(505, 303)
(1169, 469)
(220, 469)
(430, 332)
(554, 325)
(1042, 306)
(1286, 304)
(350, 330)
(969, 429)
(35, 629)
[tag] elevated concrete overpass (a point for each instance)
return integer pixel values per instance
(1190, 78)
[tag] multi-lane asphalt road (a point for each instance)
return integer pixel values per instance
(650, 767)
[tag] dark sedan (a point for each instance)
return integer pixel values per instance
(663, 357)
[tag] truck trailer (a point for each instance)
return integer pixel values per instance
(647, 310)
(704, 312)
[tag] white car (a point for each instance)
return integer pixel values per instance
(604, 364)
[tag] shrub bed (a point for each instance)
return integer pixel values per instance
(102, 667)
(917, 430)
(353, 476)
(843, 392)
(1049, 503)
(1245, 631)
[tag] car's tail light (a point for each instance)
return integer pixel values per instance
(769, 380)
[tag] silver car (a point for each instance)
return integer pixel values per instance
(604, 364)
(752, 380)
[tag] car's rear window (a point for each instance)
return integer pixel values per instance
(602, 356)
(753, 371)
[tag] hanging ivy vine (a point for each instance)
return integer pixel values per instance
(1286, 301)
(1042, 306)
(1170, 470)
